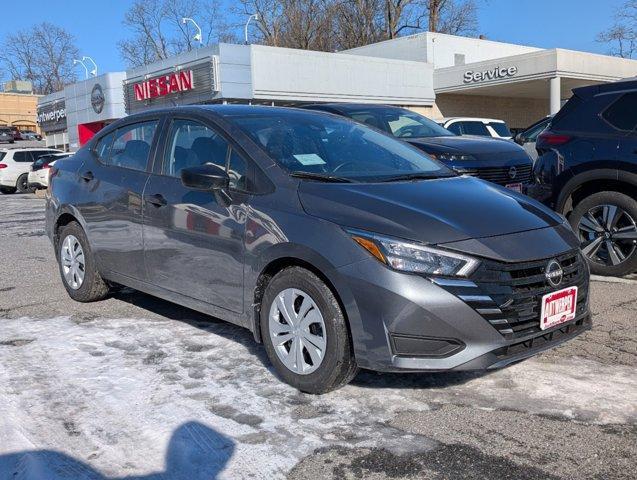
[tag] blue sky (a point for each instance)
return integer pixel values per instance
(571, 24)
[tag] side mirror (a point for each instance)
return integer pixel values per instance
(520, 139)
(205, 177)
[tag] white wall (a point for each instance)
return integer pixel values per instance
(440, 49)
(298, 75)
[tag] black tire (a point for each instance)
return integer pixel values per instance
(338, 366)
(22, 185)
(7, 190)
(597, 264)
(93, 287)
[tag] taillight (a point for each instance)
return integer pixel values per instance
(46, 165)
(552, 139)
(3, 165)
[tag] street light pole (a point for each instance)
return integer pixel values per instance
(245, 29)
(75, 62)
(94, 71)
(198, 36)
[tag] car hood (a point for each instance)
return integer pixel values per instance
(472, 145)
(429, 211)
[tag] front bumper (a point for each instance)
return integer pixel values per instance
(403, 322)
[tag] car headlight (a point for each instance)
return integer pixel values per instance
(452, 157)
(413, 257)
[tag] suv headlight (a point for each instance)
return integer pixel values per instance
(413, 257)
(452, 157)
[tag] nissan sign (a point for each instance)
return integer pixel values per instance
(496, 73)
(165, 85)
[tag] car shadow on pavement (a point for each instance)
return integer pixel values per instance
(197, 319)
(416, 380)
(195, 452)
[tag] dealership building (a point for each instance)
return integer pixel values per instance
(438, 75)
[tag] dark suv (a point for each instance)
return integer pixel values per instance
(495, 160)
(587, 170)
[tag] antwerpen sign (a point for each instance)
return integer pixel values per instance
(165, 85)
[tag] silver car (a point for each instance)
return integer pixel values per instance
(6, 135)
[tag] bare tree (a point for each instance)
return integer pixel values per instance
(158, 31)
(42, 55)
(622, 35)
(455, 17)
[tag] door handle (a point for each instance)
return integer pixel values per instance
(87, 176)
(157, 200)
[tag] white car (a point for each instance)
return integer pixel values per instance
(15, 164)
(483, 127)
(39, 174)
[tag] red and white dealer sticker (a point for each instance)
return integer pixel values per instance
(558, 307)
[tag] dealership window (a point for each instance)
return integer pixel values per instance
(622, 114)
(192, 144)
(131, 145)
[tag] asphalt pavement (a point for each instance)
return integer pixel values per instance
(136, 387)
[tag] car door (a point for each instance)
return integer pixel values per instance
(194, 240)
(109, 198)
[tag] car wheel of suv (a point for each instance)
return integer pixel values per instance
(305, 333)
(22, 185)
(77, 266)
(606, 224)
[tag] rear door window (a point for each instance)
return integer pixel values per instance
(131, 145)
(475, 128)
(622, 114)
(23, 157)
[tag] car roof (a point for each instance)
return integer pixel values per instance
(470, 119)
(592, 90)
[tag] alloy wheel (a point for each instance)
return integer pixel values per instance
(297, 331)
(608, 235)
(72, 260)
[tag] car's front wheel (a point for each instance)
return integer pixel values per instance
(77, 266)
(305, 332)
(606, 223)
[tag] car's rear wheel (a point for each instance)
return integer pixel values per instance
(606, 223)
(22, 185)
(305, 332)
(77, 266)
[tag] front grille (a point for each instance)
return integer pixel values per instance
(509, 295)
(500, 175)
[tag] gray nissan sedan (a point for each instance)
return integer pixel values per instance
(337, 245)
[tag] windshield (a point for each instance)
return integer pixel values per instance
(305, 142)
(400, 123)
(500, 128)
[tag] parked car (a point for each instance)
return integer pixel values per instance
(17, 134)
(484, 127)
(15, 165)
(498, 161)
(587, 170)
(528, 136)
(31, 135)
(6, 135)
(336, 244)
(39, 174)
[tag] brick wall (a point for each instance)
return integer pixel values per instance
(517, 112)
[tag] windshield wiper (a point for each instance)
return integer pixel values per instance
(321, 177)
(414, 176)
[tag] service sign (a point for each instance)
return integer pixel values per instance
(165, 85)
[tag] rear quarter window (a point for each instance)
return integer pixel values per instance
(622, 114)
